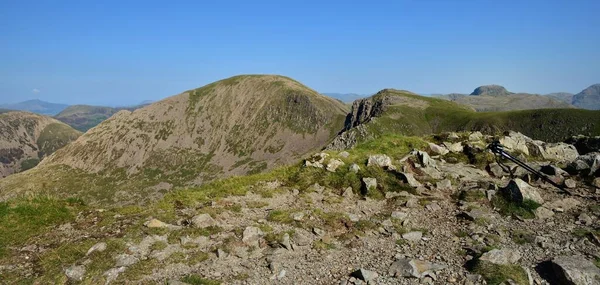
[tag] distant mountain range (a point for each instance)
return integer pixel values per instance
(346, 97)
(36, 106)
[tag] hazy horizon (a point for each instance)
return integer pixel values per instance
(122, 53)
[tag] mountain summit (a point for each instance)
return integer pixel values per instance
(589, 98)
(490, 90)
(243, 124)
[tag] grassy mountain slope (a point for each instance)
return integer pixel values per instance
(85, 117)
(26, 138)
(240, 125)
(402, 112)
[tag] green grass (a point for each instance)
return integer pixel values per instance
(509, 208)
(496, 274)
(29, 164)
(55, 136)
(20, 220)
(522, 236)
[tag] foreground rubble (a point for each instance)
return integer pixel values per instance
(451, 216)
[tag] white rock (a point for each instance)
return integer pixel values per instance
(251, 236)
(413, 236)
(570, 183)
(518, 191)
(333, 165)
(203, 221)
(370, 183)
(100, 247)
(75, 272)
(399, 215)
(445, 184)
(438, 149)
(410, 179)
(354, 168)
(501, 256)
(348, 193)
(380, 160)
(454, 147)
(575, 270)
(344, 154)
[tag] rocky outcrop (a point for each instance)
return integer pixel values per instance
(490, 90)
(585, 144)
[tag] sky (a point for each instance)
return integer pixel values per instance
(124, 52)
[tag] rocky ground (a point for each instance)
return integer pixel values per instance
(447, 222)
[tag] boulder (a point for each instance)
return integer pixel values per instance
(585, 144)
(410, 179)
(518, 190)
(576, 270)
(425, 159)
(439, 150)
(587, 164)
(454, 147)
(516, 141)
(501, 256)
(203, 221)
(348, 193)
(354, 168)
(570, 183)
(497, 170)
(333, 164)
(344, 154)
(75, 272)
(251, 236)
(370, 183)
(380, 160)
(413, 236)
(285, 241)
(475, 136)
(560, 152)
(414, 268)
(543, 213)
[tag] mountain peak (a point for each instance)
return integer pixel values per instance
(490, 90)
(589, 98)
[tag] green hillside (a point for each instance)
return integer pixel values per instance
(405, 113)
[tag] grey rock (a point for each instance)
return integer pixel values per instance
(425, 159)
(410, 179)
(203, 221)
(570, 183)
(454, 147)
(563, 205)
(281, 274)
(412, 203)
(445, 184)
(399, 215)
(575, 270)
(333, 165)
(344, 154)
(123, 260)
(113, 273)
(251, 236)
(518, 191)
(413, 236)
(348, 193)
(99, 247)
(543, 213)
(370, 183)
(438, 149)
(475, 136)
(497, 170)
(380, 160)
(285, 241)
(415, 268)
(318, 232)
(365, 275)
(433, 207)
(585, 219)
(302, 237)
(353, 217)
(75, 272)
(559, 152)
(298, 216)
(354, 168)
(501, 256)
(221, 253)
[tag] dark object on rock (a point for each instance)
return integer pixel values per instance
(585, 145)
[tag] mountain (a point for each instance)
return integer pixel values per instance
(490, 90)
(345, 97)
(36, 106)
(589, 98)
(85, 117)
(240, 125)
(26, 138)
(497, 98)
(401, 112)
(562, 96)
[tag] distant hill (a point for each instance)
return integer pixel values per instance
(562, 96)
(26, 138)
(36, 106)
(85, 117)
(589, 98)
(345, 97)
(236, 126)
(497, 98)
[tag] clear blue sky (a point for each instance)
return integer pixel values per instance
(123, 52)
